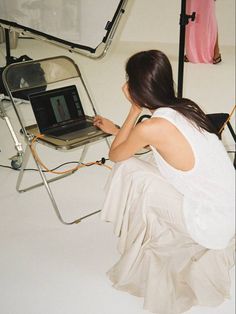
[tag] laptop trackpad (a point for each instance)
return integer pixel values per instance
(78, 134)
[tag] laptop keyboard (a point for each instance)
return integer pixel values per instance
(80, 126)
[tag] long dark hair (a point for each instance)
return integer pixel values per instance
(151, 85)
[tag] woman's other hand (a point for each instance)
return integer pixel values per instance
(105, 125)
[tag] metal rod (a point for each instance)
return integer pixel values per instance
(25, 161)
(93, 213)
(181, 49)
(183, 22)
(84, 152)
(8, 48)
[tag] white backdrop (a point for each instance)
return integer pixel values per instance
(79, 21)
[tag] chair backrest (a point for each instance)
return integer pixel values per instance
(23, 78)
(33, 74)
(218, 120)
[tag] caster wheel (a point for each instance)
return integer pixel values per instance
(16, 164)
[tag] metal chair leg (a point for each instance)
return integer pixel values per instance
(46, 182)
(84, 152)
(23, 167)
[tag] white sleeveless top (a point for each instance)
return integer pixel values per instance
(208, 189)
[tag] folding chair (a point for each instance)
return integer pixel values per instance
(24, 78)
(219, 122)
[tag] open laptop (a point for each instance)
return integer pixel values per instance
(59, 114)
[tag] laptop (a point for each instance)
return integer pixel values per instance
(59, 114)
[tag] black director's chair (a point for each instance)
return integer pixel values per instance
(220, 121)
(24, 78)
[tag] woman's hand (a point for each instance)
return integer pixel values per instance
(136, 109)
(105, 125)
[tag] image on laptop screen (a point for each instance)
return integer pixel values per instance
(57, 107)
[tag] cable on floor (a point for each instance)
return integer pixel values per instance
(79, 166)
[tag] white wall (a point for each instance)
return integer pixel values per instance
(225, 11)
(158, 21)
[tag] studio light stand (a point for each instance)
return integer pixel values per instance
(184, 19)
(16, 160)
(9, 58)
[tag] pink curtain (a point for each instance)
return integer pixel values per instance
(201, 34)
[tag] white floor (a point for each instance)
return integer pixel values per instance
(47, 267)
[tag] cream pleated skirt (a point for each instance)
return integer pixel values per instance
(159, 260)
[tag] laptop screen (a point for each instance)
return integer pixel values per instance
(57, 107)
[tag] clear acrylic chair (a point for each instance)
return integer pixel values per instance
(24, 78)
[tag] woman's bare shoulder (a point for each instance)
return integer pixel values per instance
(160, 125)
(156, 131)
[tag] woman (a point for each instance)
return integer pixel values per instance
(202, 34)
(175, 218)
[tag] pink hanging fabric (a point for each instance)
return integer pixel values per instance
(201, 34)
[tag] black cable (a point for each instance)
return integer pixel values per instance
(4, 166)
(66, 163)
(35, 169)
(102, 161)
